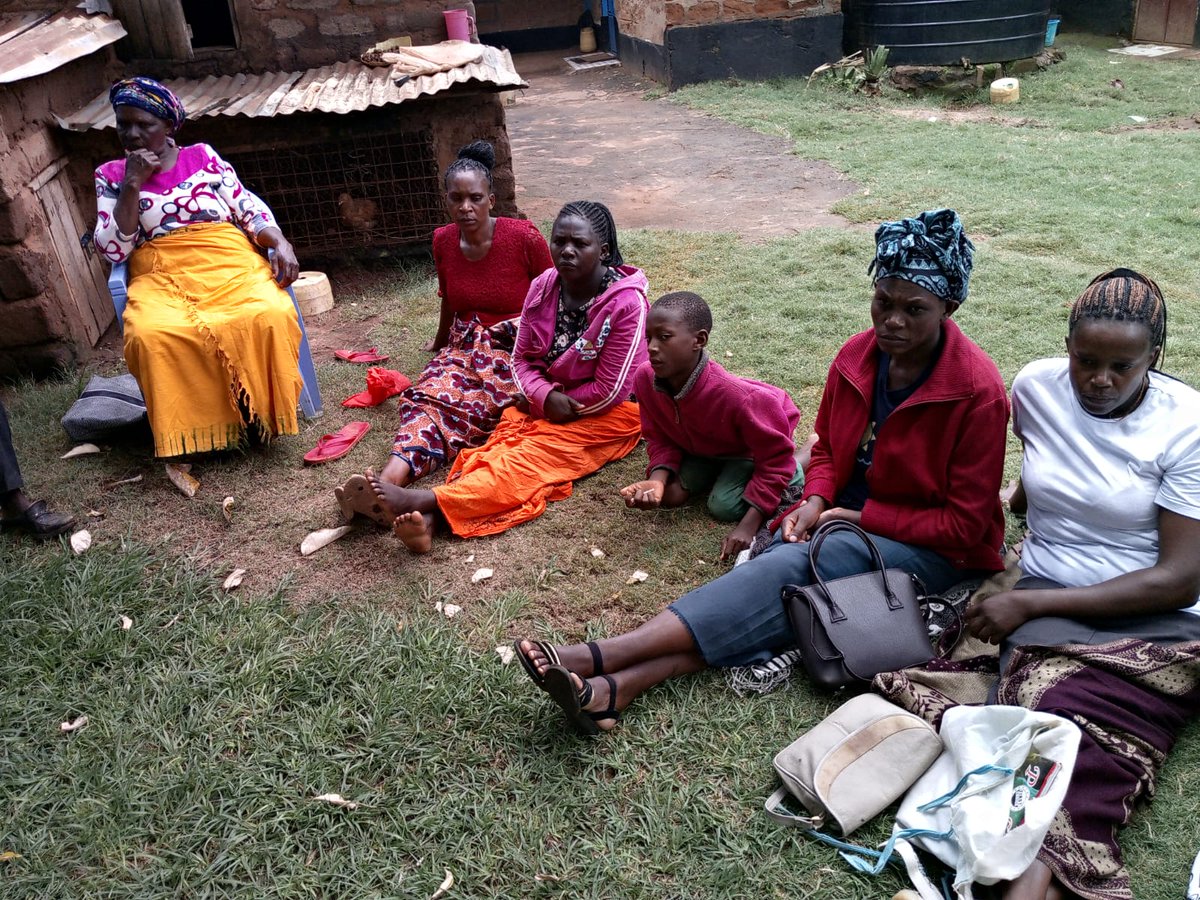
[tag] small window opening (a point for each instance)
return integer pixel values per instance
(210, 23)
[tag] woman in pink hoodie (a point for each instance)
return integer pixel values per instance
(580, 340)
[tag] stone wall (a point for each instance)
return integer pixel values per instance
(684, 41)
(52, 303)
(290, 35)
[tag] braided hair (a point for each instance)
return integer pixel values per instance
(1124, 295)
(691, 309)
(477, 156)
(597, 215)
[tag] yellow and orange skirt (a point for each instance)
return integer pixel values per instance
(211, 339)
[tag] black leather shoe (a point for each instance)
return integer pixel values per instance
(39, 521)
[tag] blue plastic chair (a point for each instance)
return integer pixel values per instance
(310, 392)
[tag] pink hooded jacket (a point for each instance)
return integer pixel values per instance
(597, 370)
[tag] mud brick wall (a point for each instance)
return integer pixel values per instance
(644, 20)
(51, 303)
(707, 12)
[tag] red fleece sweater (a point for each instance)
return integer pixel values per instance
(719, 414)
(935, 476)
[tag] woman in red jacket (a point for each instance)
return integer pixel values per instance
(911, 448)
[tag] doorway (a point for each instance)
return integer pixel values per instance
(1165, 21)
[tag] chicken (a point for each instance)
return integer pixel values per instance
(358, 213)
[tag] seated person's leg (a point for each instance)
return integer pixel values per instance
(725, 500)
(16, 509)
(739, 619)
(697, 475)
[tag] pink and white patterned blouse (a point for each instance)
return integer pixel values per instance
(201, 187)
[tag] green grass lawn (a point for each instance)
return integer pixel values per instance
(217, 718)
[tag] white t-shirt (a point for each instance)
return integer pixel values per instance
(1095, 486)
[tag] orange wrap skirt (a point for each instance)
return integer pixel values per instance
(527, 463)
(211, 338)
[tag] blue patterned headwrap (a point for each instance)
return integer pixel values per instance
(931, 251)
(152, 96)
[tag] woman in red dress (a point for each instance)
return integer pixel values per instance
(485, 264)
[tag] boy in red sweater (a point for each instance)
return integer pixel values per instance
(707, 431)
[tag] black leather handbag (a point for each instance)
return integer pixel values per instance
(850, 629)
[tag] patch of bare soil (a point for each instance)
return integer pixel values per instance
(1179, 123)
(594, 135)
(545, 573)
(974, 114)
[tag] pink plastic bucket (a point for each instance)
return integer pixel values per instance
(458, 24)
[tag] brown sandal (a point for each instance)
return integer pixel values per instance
(357, 498)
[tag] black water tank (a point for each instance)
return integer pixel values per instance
(944, 32)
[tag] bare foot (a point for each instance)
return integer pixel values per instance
(356, 498)
(400, 500)
(804, 452)
(415, 529)
(396, 472)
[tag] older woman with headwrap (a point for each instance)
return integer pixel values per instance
(911, 448)
(210, 334)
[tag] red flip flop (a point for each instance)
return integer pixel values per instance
(336, 445)
(364, 357)
(381, 384)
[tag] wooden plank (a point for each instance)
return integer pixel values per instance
(129, 12)
(96, 291)
(169, 34)
(1151, 21)
(178, 35)
(76, 281)
(156, 29)
(1181, 22)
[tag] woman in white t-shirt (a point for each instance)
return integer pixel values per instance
(1104, 627)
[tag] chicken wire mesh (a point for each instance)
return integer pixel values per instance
(360, 192)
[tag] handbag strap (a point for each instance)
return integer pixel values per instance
(814, 551)
(861, 859)
(775, 810)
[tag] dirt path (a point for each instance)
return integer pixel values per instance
(654, 163)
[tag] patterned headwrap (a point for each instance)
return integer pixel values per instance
(152, 96)
(931, 251)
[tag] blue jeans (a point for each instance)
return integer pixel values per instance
(739, 618)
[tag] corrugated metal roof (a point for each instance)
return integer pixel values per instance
(341, 88)
(33, 43)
